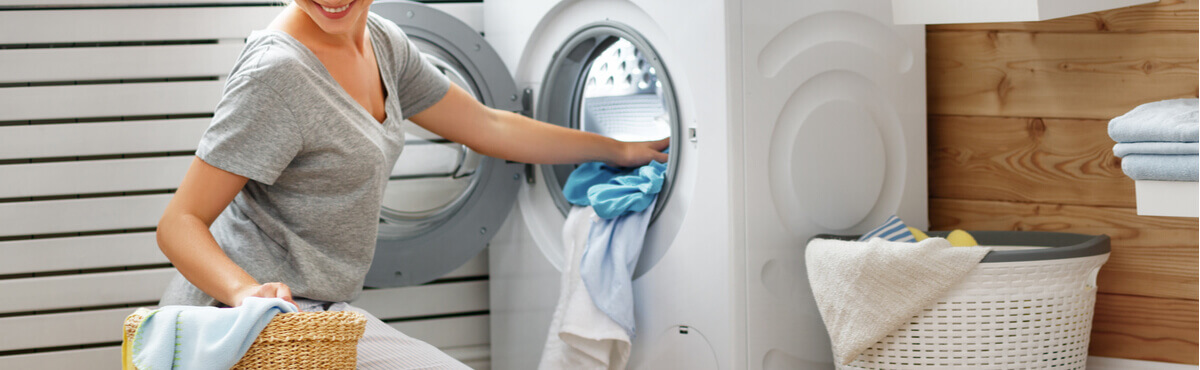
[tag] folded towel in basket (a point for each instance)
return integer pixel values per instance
(864, 290)
(1167, 120)
(193, 337)
(1156, 147)
(1162, 167)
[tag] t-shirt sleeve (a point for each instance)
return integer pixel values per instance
(420, 84)
(253, 132)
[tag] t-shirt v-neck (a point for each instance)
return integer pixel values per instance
(387, 89)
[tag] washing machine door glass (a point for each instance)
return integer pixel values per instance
(607, 79)
(443, 202)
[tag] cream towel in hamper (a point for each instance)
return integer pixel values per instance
(581, 336)
(865, 290)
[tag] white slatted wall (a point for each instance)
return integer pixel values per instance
(102, 103)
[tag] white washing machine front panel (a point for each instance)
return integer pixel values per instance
(809, 117)
(688, 244)
(835, 143)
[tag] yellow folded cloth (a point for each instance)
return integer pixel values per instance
(957, 238)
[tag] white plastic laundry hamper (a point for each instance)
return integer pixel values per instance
(1027, 305)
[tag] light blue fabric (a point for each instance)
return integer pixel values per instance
(614, 192)
(1162, 167)
(202, 337)
(1156, 147)
(609, 259)
(892, 230)
(1167, 120)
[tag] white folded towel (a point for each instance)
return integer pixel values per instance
(865, 290)
(581, 336)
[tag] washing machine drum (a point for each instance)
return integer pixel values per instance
(443, 202)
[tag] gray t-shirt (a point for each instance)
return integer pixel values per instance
(317, 162)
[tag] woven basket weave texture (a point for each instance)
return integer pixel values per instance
(298, 340)
(1007, 315)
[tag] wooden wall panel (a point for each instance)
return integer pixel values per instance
(1063, 161)
(1018, 141)
(1145, 328)
(1062, 75)
(1151, 256)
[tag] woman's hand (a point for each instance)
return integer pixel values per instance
(639, 153)
(268, 290)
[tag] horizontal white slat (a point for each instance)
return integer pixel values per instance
(109, 288)
(477, 357)
(424, 300)
(448, 332)
(56, 292)
(75, 215)
(100, 138)
(428, 159)
(87, 177)
(100, 251)
(126, 62)
(19, 3)
(477, 266)
(82, 252)
(62, 329)
(87, 327)
(115, 100)
(96, 25)
(102, 358)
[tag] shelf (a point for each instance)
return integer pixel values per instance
(982, 11)
(1168, 198)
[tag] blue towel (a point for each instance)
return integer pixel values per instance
(614, 192)
(1162, 167)
(1156, 147)
(192, 337)
(608, 262)
(1167, 120)
(624, 200)
(892, 230)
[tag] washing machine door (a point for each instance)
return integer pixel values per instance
(443, 202)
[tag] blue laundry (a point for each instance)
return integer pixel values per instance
(1167, 120)
(624, 200)
(606, 268)
(892, 230)
(1156, 147)
(1162, 167)
(613, 192)
(196, 337)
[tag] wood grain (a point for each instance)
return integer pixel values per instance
(1057, 75)
(1061, 161)
(1151, 256)
(1144, 328)
(1165, 15)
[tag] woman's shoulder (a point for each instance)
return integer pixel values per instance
(272, 55)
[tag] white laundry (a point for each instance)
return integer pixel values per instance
(865, 290)
(581, 336)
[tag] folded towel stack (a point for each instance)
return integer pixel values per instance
(1159, 140)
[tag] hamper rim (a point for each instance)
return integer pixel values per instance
(1059, 245)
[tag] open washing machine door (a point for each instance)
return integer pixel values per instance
(607, 79)
(443, 202)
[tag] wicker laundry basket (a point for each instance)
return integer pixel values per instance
(1027, 305)
(298, 340)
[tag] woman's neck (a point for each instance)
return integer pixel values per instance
(295, 22)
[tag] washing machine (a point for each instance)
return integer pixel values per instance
(786, 118)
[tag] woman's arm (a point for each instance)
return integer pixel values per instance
(496, 133)
(184, 238)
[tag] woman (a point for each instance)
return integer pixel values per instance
(284, 195)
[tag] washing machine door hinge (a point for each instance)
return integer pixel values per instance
(527, 102)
